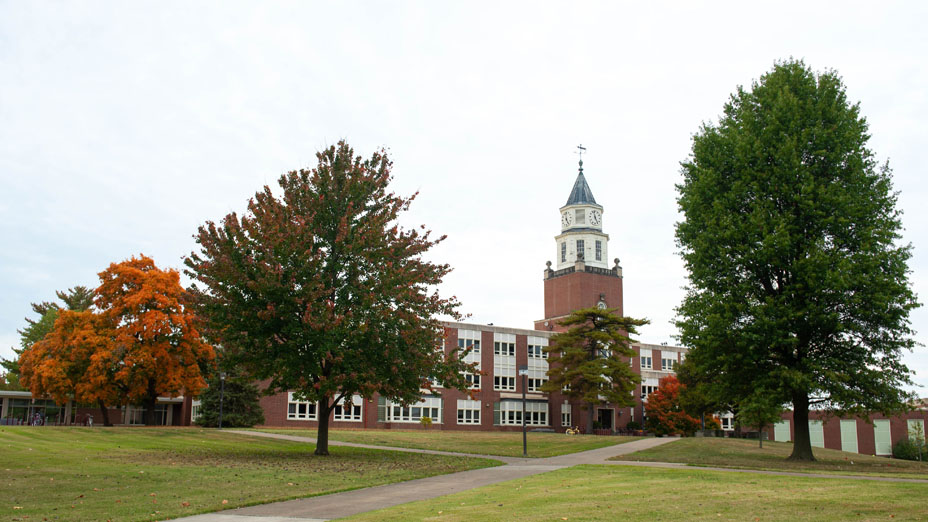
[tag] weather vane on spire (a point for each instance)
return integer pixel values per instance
(580, 151)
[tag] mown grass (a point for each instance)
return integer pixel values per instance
(739, 453)
(603, 492)
(154, 474)
(507, 444)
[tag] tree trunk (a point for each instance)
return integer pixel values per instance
(589, 422)
(322, 432)
(150, 403)
(802, 443)
(760, 435)
(105, 412)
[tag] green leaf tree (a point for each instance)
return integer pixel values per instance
(759, 411)
(798, 287)
(240, 402)
(589, 362)
(321, 292)
(697, 394)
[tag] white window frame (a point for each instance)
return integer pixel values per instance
(646, 362)
(310, 413)
(667, 364)
(647, 389)
(468, 412)
(510, 413)
(470, 339)
(504, 383)
(504, 362)
(427, 407)
(566, 420)
(356, 413)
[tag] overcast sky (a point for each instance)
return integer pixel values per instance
(125, 125)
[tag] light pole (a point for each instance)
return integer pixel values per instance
(222, 389)
(523, 371)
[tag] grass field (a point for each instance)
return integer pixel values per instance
(605, 492)
(507, 444)
(158, 473)
(738, 453)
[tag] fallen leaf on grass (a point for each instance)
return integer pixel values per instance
(224, 502)
(185, 504)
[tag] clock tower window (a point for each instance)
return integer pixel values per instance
(563, 252)
(580, 250)
(599, 250)
(581, 216)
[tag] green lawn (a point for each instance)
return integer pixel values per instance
(739, 453)
(605, 492)
(507, 444)
(158, 473)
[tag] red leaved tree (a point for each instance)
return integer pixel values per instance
(322, 293)
(664, 413)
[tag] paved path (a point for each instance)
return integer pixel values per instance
(349, 503)
(356, 501)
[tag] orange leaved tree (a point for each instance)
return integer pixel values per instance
(155, 350)
(137, 345)
(57, 365)
(664, 413)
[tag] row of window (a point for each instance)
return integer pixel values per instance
(667, 365)
(505, 412)
(580, 250)
(304, 410)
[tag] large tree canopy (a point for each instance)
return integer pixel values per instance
(589, 361)
(321, 292)
(798, 285)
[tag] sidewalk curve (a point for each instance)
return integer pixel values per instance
(347, 503)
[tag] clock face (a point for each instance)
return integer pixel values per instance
(601, 305)
(595, 217)
(567, 218)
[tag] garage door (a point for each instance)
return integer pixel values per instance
(816, 434)
(781, 431)
(849, 435)
(884, 443)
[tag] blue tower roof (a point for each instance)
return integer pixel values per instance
(581, 193)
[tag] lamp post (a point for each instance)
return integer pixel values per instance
(222, 389)
(523, 371)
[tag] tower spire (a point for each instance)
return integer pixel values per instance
(581, 150)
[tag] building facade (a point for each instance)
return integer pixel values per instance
(581, 278)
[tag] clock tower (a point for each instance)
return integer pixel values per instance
(582, 276)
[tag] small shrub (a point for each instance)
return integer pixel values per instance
(426, 422)
(633, 425)
(908, 449)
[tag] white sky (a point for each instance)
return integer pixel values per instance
(125, 125)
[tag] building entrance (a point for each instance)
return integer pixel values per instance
(605, 416)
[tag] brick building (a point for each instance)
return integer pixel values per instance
(582, 278)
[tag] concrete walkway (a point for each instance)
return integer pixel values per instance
(349, 503)
(356, 501)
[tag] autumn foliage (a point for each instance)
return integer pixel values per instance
(664, 414)
(138, 344)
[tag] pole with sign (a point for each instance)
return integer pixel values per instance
(523, 371)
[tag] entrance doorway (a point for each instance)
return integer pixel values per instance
(605, 416)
